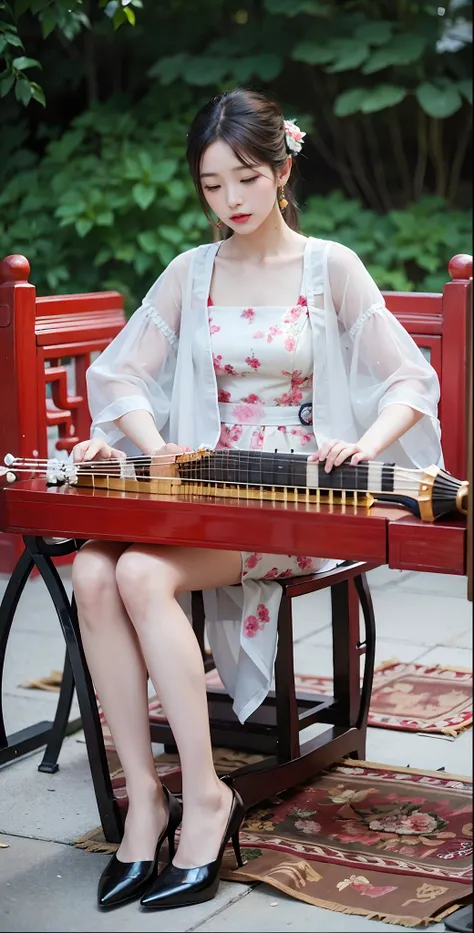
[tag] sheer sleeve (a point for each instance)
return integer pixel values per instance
(136, 370)
(384, 365)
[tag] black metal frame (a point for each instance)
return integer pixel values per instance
(274, 728)
(39, 553)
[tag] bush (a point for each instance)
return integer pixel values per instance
(110, 203)
(403, 250)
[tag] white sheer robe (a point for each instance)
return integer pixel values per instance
(364, 360)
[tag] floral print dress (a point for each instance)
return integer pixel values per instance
(263, 361)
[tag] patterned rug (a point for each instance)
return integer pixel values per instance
(409, 697)
(388, 843)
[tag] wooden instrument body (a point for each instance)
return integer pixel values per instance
(387, 534)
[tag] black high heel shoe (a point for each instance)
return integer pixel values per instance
(122, 882)
(181, 887)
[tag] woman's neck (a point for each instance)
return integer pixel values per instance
(272, 239)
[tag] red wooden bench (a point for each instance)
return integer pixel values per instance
(39, 334)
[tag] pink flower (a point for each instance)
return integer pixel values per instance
(285, 573)
(273, 331)
(252, 399)
(271, 574)
(251, 626)
(290, 344)
(246, 414)
(302, 435)
(263, 613)
(213, 328)
(253, 362)
(298, 380)
(302, 302)
(304, 563)
(292, 315)
(229, 370)
(248, 314)
(223, 396)
(293, 397)
(228, 436)
(218, 367)
(257, 440)
(252, 561)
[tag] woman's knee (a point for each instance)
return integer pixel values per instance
(93, 575)
(141, 576)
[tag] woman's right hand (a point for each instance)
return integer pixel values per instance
(172, 449)
(95, 449)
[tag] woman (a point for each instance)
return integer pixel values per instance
(264, 340)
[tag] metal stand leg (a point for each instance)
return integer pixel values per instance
(61, 726)
(26, 740)
(109, 811)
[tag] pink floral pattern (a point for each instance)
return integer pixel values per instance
(278, 373)
(255, 623)
(253, 361)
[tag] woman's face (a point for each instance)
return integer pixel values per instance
(241, 196)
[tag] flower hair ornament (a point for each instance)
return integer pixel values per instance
(293, 136)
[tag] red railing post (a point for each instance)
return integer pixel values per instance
(456, 308)
(18, 382)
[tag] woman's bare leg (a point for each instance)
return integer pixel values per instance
(149, 578)
(119, 675)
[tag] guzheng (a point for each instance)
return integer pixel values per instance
(429, 493)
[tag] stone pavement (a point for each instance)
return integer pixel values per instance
(48, 885)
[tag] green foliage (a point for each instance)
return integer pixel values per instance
(403, 250)
(108, 206)
(68, 17)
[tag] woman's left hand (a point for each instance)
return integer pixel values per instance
(333, 453)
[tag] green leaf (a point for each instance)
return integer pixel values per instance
(202, 71)
(349, 102)
(374, 33)
(385, 95)
(23, 62)
(21, 6)
(402, 50)
(143, 195)
(438, 102)
(13, 39)
(352, 58)
(7, 81)
(83, 225)
(168, 69)
(130, 15)
(465, 87)
(38, 93)
(268, 66)
(312, 54)
(148, 242)
(104, 219)
(23, 91)
(48, 23)
(163, 171)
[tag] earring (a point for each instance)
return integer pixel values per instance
(219, 223)
(282, 202)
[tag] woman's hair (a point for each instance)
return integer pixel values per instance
(252, 125)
